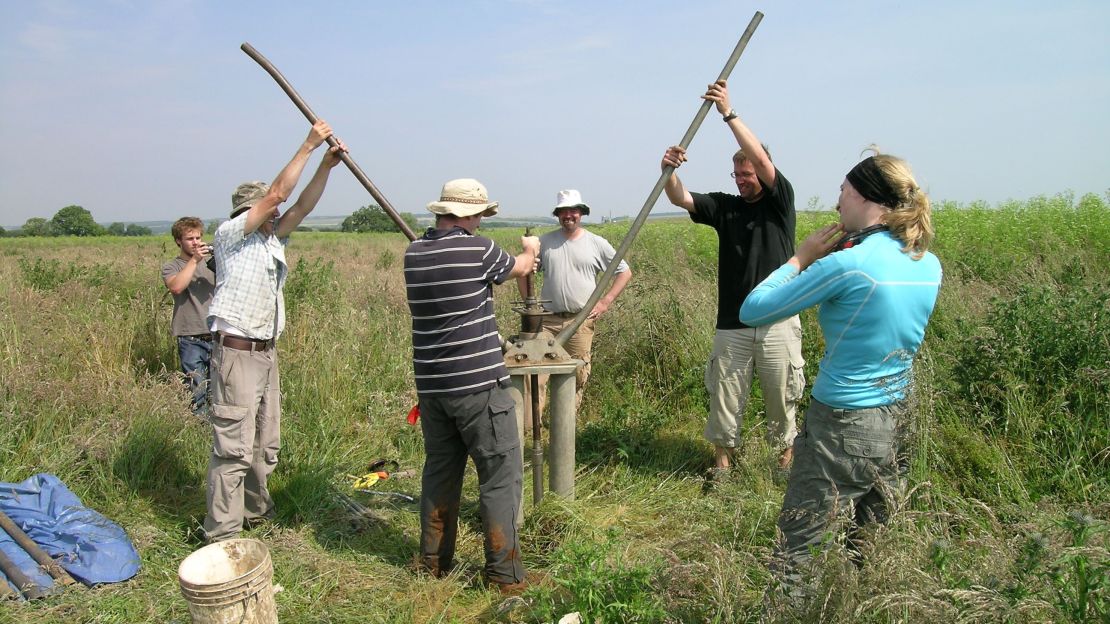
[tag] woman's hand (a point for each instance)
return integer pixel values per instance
(817, 245)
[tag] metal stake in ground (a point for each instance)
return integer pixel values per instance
(531, 321)
(603, 283)
(346, 158)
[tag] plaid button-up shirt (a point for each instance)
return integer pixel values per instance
(250, 273)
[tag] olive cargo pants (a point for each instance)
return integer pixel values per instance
(847, 473)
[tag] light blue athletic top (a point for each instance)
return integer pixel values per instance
(874, 303)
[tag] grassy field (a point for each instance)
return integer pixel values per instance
(1010, 492)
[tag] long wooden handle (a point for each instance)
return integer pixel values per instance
(346, 158)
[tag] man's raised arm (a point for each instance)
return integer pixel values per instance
(764, 168)
(286, 180)
(310, 196)
(676, 191)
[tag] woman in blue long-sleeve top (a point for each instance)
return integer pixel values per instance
(875, 285)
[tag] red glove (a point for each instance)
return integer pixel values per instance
(414, 414)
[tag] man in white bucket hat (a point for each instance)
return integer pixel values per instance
(461, 382)
(571, 258)
(246, 316)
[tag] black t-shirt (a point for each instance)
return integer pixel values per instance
(753, 239)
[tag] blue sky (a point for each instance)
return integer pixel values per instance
(149, 110)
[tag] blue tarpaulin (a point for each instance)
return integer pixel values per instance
(92, 548)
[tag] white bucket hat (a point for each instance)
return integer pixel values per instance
(570, 198)
(462, 198)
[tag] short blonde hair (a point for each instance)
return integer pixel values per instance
(742, 157)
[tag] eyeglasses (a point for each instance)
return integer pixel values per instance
(734, 175)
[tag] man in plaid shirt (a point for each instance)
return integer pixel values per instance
(246, 317)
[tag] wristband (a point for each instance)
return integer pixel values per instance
(730, 115)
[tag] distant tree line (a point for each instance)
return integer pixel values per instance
(75, 221)
(132, 229)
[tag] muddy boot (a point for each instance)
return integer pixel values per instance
(714, 477)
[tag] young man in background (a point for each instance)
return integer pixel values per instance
(191, 279)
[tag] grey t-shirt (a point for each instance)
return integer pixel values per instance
(570, 268)
(190, 308)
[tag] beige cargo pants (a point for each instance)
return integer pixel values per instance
(246, 435)
(774, 354)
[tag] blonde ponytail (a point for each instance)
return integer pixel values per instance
(911, 220)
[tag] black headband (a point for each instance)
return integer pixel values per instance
(868, 180)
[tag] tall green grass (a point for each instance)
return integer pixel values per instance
(1009, 481)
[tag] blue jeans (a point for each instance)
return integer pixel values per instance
(194, 354)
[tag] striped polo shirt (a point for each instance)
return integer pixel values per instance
(449, 278)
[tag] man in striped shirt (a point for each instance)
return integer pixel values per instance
(461, 380)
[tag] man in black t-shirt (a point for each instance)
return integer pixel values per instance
(755, 231)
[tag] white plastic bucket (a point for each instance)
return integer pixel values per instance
(229, 582)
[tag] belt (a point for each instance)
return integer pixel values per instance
(242, 344)
(204, 337)
(565, 314)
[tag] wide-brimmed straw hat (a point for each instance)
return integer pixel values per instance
(247, 195)
(570, 198)
(462, 198)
